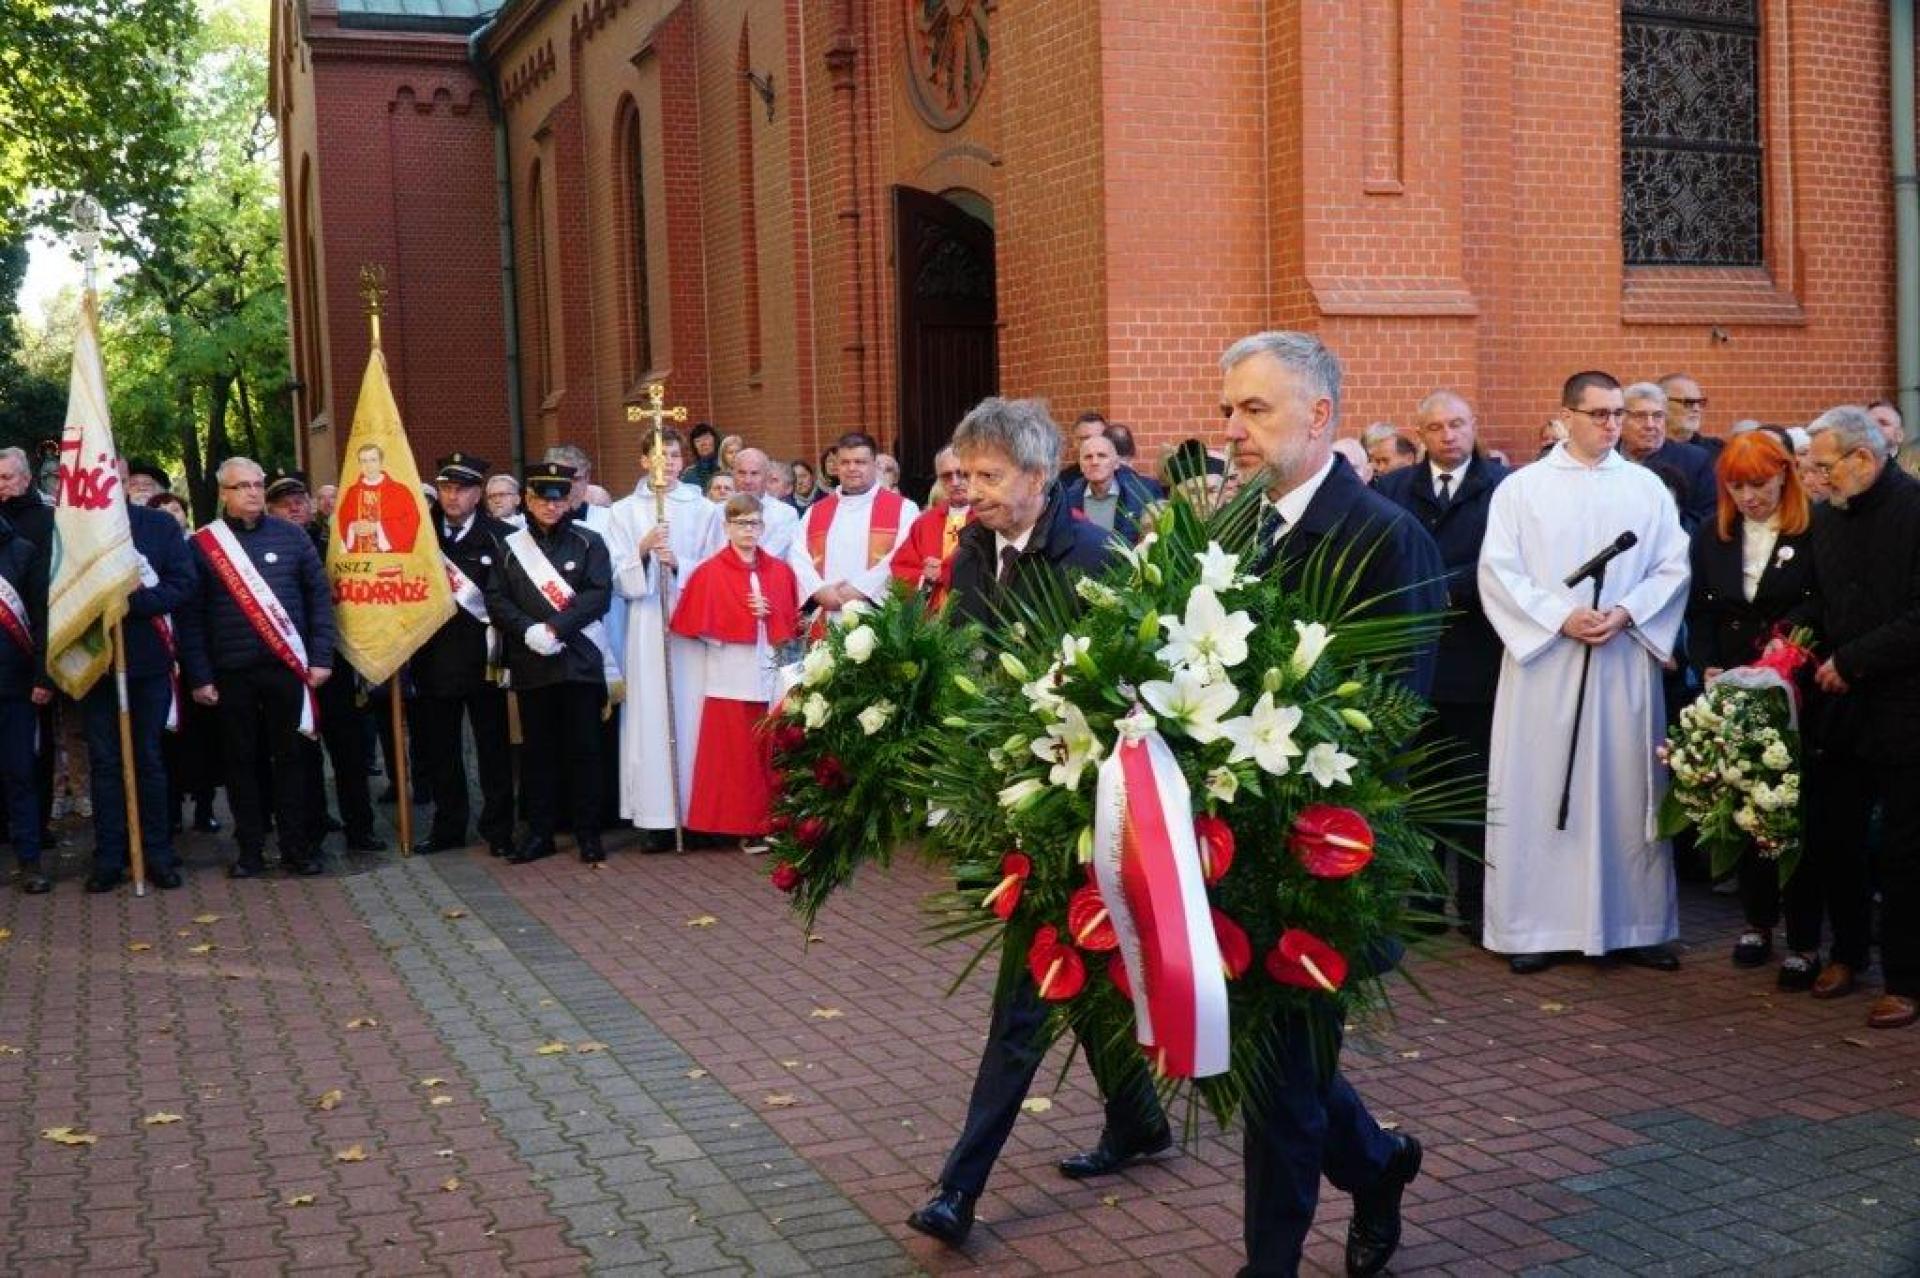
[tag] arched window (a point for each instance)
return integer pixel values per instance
(633, 185)
(542, 333)
(749, 212)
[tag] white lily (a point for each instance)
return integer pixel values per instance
(1097, 593)
(1136, 724)
(861, 641)
(1021, 793)
(1192, 702)
(1265, 735)
(875, 717)
(1137, 555)
(1044, 693)
(1313, 640)
(1209, 640)
(1223, 784)
(1218, 569)
(1329, 765)
(815, 710)
(1069, 746)
(816, 667)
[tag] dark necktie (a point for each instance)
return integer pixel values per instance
(1272, 524)
(1009, 555)
(1446, 489)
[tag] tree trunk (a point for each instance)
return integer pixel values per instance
(219, 447)
(200, 496)
(247, 424)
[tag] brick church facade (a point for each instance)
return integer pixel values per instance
(806, 216)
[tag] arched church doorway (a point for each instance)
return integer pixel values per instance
(949, 339)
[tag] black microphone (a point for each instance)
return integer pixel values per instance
(1596, 565)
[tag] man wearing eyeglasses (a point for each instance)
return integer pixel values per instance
(1644, 439)
(1866, 557)
(1593, 881)
(924, 560)
(1687, 413)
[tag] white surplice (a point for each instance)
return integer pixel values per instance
(847, 547)
(693, 530)
(1605, 882)
(779, 526)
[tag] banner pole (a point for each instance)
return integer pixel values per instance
(136, 849)
(401, 781)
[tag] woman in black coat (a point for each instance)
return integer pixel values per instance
(1752, 573)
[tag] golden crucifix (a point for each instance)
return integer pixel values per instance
(656, 409)
(659, 414)
(373, 288)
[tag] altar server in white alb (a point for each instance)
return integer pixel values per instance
(845, 548)
(1603, 884)
(648, 557)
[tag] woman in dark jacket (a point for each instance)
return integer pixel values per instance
(1752, 573)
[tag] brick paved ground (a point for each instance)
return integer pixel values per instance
(750, 1100)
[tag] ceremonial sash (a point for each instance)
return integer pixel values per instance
(883, 528)
(262, 609)
(555, 590)
(1146, 862)
(163, 627)
(13, 617)
(474, 600)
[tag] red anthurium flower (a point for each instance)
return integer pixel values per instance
(1303, 959)
(1331, 842)
(1014, 868)
(828, 772)
(1117, 973)
(1215, 838)
(809, 832)
(1089, 922)
(1057, 969)
(786, 877)
(1236, 951)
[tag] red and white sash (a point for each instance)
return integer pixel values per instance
(1147, 865)
(555, 590)
(13, 617)
(470, 597)
(262, 609)
(163, 627)
(883, 527)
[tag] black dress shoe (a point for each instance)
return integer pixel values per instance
(1798, 973)
(427, 847)
(1657, 957)
(366, 842)
(245, 869)
(105, 880)
(1753, 949)
(1528, 964)
(1374, 1234)
(167, 880)
(1110, 1155)
(307, 866)
(592, 853)
(531, 849)
(948, 1216)
(34, 883)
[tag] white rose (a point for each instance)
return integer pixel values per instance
(817, 666)
(853, 609)
(861, 642)
(815, 711)
(875, 717)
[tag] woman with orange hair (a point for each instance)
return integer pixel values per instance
(1753, 572)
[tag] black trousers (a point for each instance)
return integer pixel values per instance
(1468, 724)
(343, 734)
(560, 730)
(1844, 782)
(1007, 1066)
(259, 714)
(438, 742)
(1759, 880)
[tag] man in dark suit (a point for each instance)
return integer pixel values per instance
(167, 582)
(1643, 439)
(1281, 400)
(1024, 535)
(1687, 413)
(1448, 494)
(451, 673)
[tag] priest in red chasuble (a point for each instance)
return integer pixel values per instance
(741, 603)
(378, 513)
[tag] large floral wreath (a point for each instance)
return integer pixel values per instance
(1184, 799)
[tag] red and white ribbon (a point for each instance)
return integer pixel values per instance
(1148, 868)
(13, 617)
(263, 611)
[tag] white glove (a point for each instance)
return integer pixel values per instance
(148, 577)
(540, 639)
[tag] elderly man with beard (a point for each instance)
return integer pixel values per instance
(1020, 539)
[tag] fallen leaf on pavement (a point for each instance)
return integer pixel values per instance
(1551, 1007)
(1412, 1055)
(205, 947)
(589, 1047)
(362, 1022)
(8, 1049)
(69, 1136)
(206, 918)
(814, 938)
(329, 1099)
(450, 1184)
(160, 1119)
(6, 934)
(1109, 1200)
(441, 1100)
(433, 1082)
(453, 912)
(779, 1100)
(299, 1200)
(704, 920)
(1856, 1041)
(826, 1014)
(351, 1154)
(550, 1049)
(791, 1064)
(1391, 1126)
(696, 1073)
(1036, 1105)
(140, 947)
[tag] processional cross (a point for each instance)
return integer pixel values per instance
(373, 288)
(659, 414)
(656, 409)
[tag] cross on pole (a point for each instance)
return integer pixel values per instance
(373, 288)
(657, 411)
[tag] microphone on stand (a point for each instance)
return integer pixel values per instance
(1620, 545)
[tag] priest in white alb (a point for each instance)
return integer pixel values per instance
(646, 560)
(845, 548)
(1604, 884)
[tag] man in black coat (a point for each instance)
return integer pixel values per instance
(234, 656)
(1024, 534)
(1866, 558)
(1281, 400)
(452, 675)
(555, 660)
(1449, 494)
(31, 515)
(24, 689)
(167, 582)
(1643, 439)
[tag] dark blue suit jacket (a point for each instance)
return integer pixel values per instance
(1694, 465)
(157, 536)
(1468, 659)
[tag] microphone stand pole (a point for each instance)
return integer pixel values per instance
(1579, 708)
